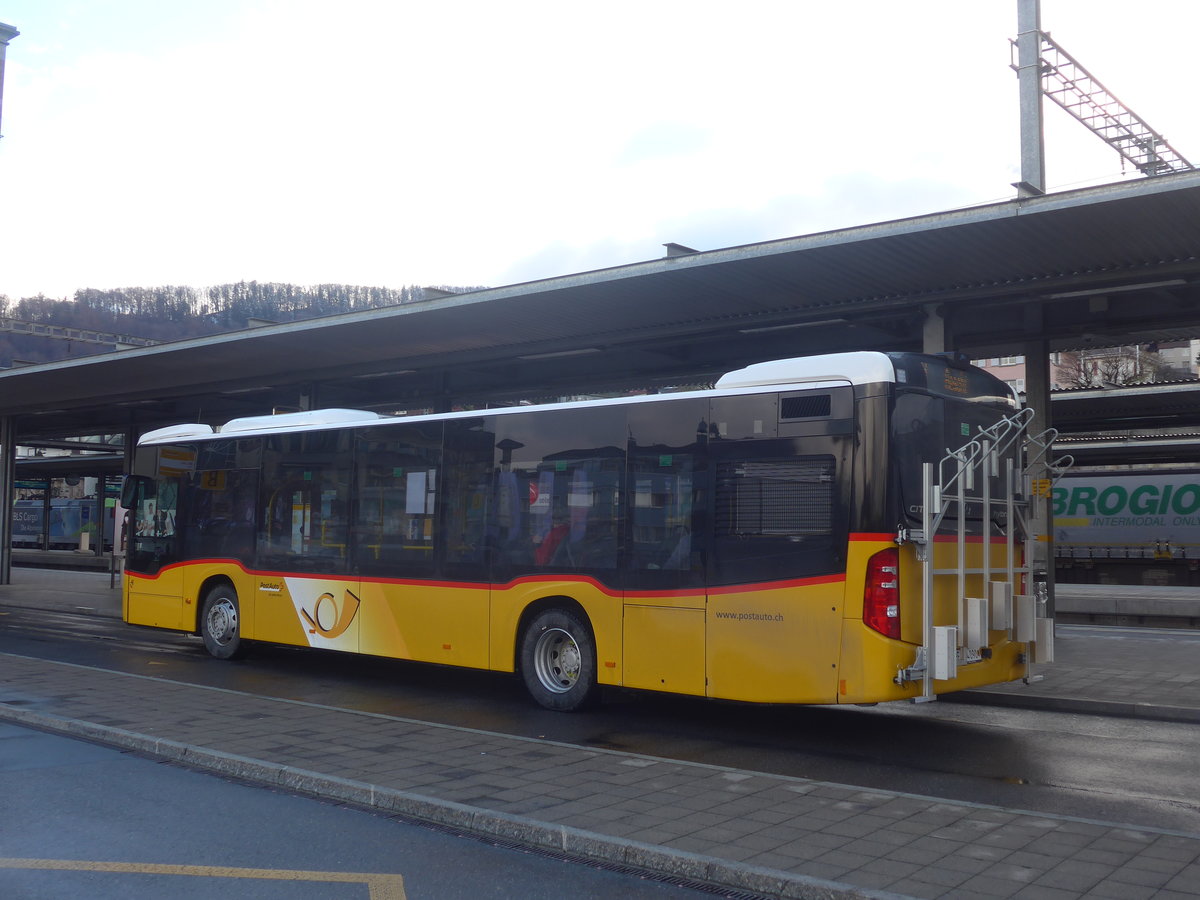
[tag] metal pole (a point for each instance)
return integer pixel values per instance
(101, 499)
(7, 33)
(961, 558)
(47, 512)
(927, 519)
(1012, 473)
(1037, 396)
(987, 464)
(8, 462)
(8, 431)
(1029, 80)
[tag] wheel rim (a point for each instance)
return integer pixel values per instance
(557, 660)
(222, 621)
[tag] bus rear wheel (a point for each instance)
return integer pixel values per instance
(558, 660)
(220, 623)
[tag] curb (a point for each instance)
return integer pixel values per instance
(480, 822)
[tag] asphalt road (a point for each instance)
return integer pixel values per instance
(80, 820)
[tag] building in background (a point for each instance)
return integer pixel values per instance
(1101, 366)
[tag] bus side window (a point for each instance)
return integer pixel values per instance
(661, 528)
(305, 499)
(562, 513)
(220, 520)
(559, 486)
(592, 501)
(467, 486)
(399, 475)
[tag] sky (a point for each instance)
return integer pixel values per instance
(470, 143)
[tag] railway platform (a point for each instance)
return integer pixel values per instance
(751, 832)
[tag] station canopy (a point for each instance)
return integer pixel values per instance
(1097, 267)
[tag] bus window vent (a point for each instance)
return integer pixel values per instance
(805, 406)
(775, 497)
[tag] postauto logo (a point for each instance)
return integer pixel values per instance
(1137, 498)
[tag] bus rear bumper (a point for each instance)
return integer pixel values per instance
(876, 669)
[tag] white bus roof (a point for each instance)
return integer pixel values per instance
(864, 367)
(827, 370)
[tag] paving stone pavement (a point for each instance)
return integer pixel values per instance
(767, 834)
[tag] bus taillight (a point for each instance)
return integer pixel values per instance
(881, 597)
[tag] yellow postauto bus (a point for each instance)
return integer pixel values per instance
(773, 539)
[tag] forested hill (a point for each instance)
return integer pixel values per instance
(172, 313)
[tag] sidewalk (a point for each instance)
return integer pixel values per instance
(1111, 604)
(91, 592)
(751, 831)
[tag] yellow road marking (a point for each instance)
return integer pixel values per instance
(379, 886)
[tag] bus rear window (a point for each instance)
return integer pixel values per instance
(926, 428)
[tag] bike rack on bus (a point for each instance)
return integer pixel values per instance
(952, 482)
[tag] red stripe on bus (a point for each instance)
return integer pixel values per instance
(517, 582)
(778, 585)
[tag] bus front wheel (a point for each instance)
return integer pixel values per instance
(558, 660)
(220, 623)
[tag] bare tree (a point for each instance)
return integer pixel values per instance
(1109, 366)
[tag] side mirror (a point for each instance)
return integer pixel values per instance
(136, 487)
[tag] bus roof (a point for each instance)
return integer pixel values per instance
(862, 367)
(829, 370)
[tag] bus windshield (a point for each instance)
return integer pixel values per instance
(938, 409)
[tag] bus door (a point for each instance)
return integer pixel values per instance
(303, 590)
(419, 541)
(779, 467)
(664, 587)
(153, 583)
(665, 546)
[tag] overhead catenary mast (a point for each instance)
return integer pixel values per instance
(1044, 68)
(1081, 94)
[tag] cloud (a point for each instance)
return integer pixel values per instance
(663, 140)
(472, 143)
(844, 201)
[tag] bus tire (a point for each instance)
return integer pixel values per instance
(558, 660)
(220, 623)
